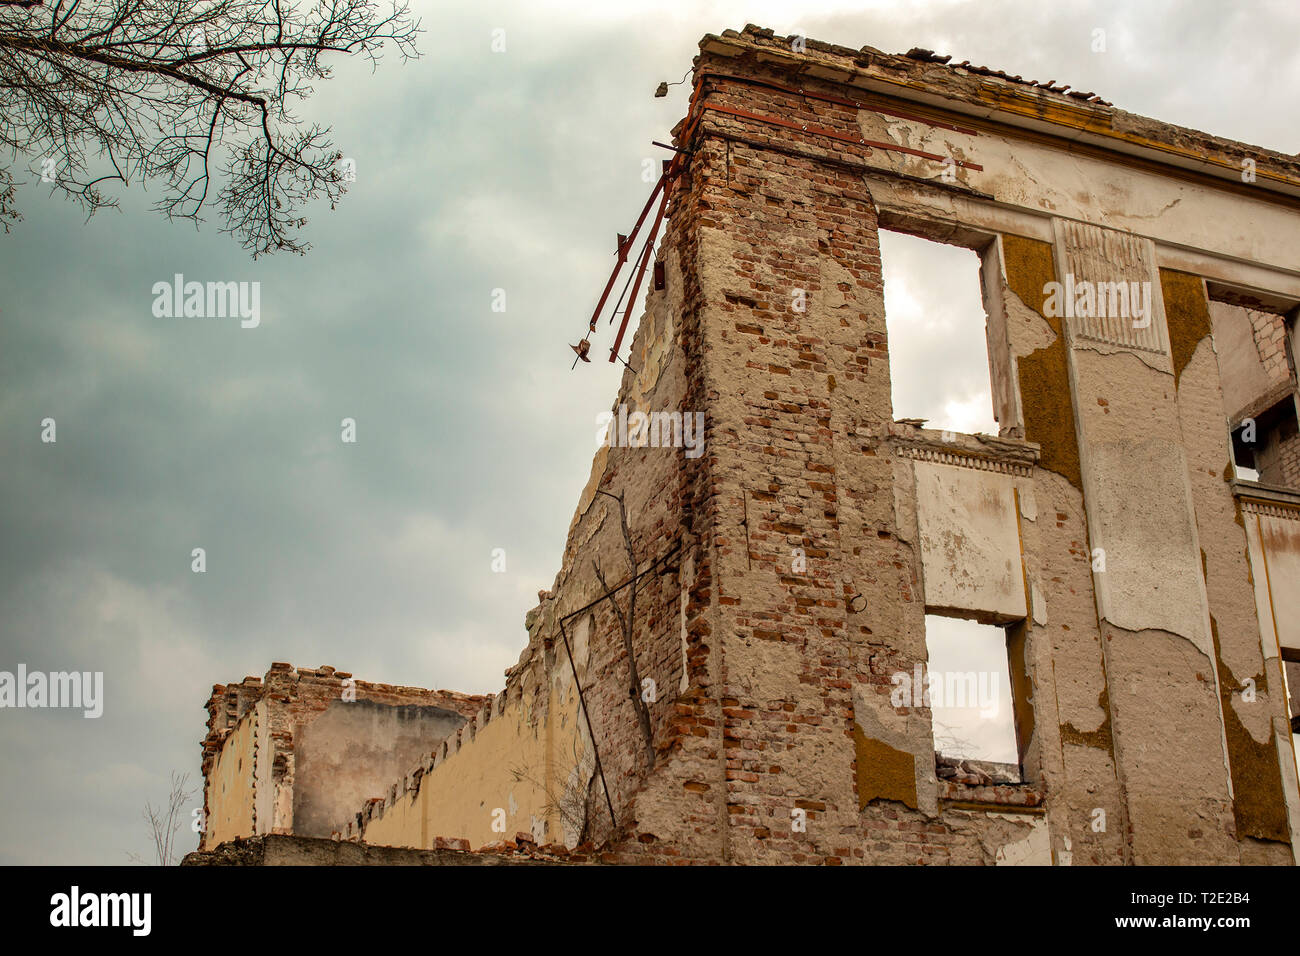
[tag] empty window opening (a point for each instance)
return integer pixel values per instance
(973, 712)
(938, 353)
(1266, 446)
(1252, 339)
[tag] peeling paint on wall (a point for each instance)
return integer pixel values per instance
(1044, 374)
(1258, 802)
(1187, 313)
(884, 772)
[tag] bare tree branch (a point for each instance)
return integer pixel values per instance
(627, 624)
(165, 822)
(160, 90)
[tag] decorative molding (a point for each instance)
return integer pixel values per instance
(1105, 257)
(1270, 509)
(962, 458)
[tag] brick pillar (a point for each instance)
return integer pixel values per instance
(795, 365)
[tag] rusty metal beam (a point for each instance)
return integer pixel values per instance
(640, 274)
(670, 173)
(622, 252)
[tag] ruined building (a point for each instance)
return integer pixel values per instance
(1132, 531)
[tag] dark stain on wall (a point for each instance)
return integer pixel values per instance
(1258, 802)
(883, 772)
(356, 750)
(1188, 315)
(1099, 738)
(1044, 373)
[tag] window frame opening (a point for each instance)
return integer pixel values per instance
(976, 769)
(985, 248)
(1264, 430)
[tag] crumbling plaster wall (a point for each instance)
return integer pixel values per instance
(969, 531)
(229, 786)
(342, 753)
(1273, 546)
(1072, 745)
(532, 756)
(1249, 690)
(810, 535)
(513, 770)
(252, 779)
(1151, 600)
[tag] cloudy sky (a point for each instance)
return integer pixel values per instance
(475, 171)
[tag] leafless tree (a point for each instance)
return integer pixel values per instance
(165, 822)
(97, 91)
(572, 803)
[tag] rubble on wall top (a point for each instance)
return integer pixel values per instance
(929, 56)
(921, 55)
(257, 687)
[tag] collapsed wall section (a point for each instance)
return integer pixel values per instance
(288, 752)
(562, 751)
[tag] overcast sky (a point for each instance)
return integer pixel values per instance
(475, 171)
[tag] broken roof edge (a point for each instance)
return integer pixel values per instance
(978, 93)
(258, 687)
